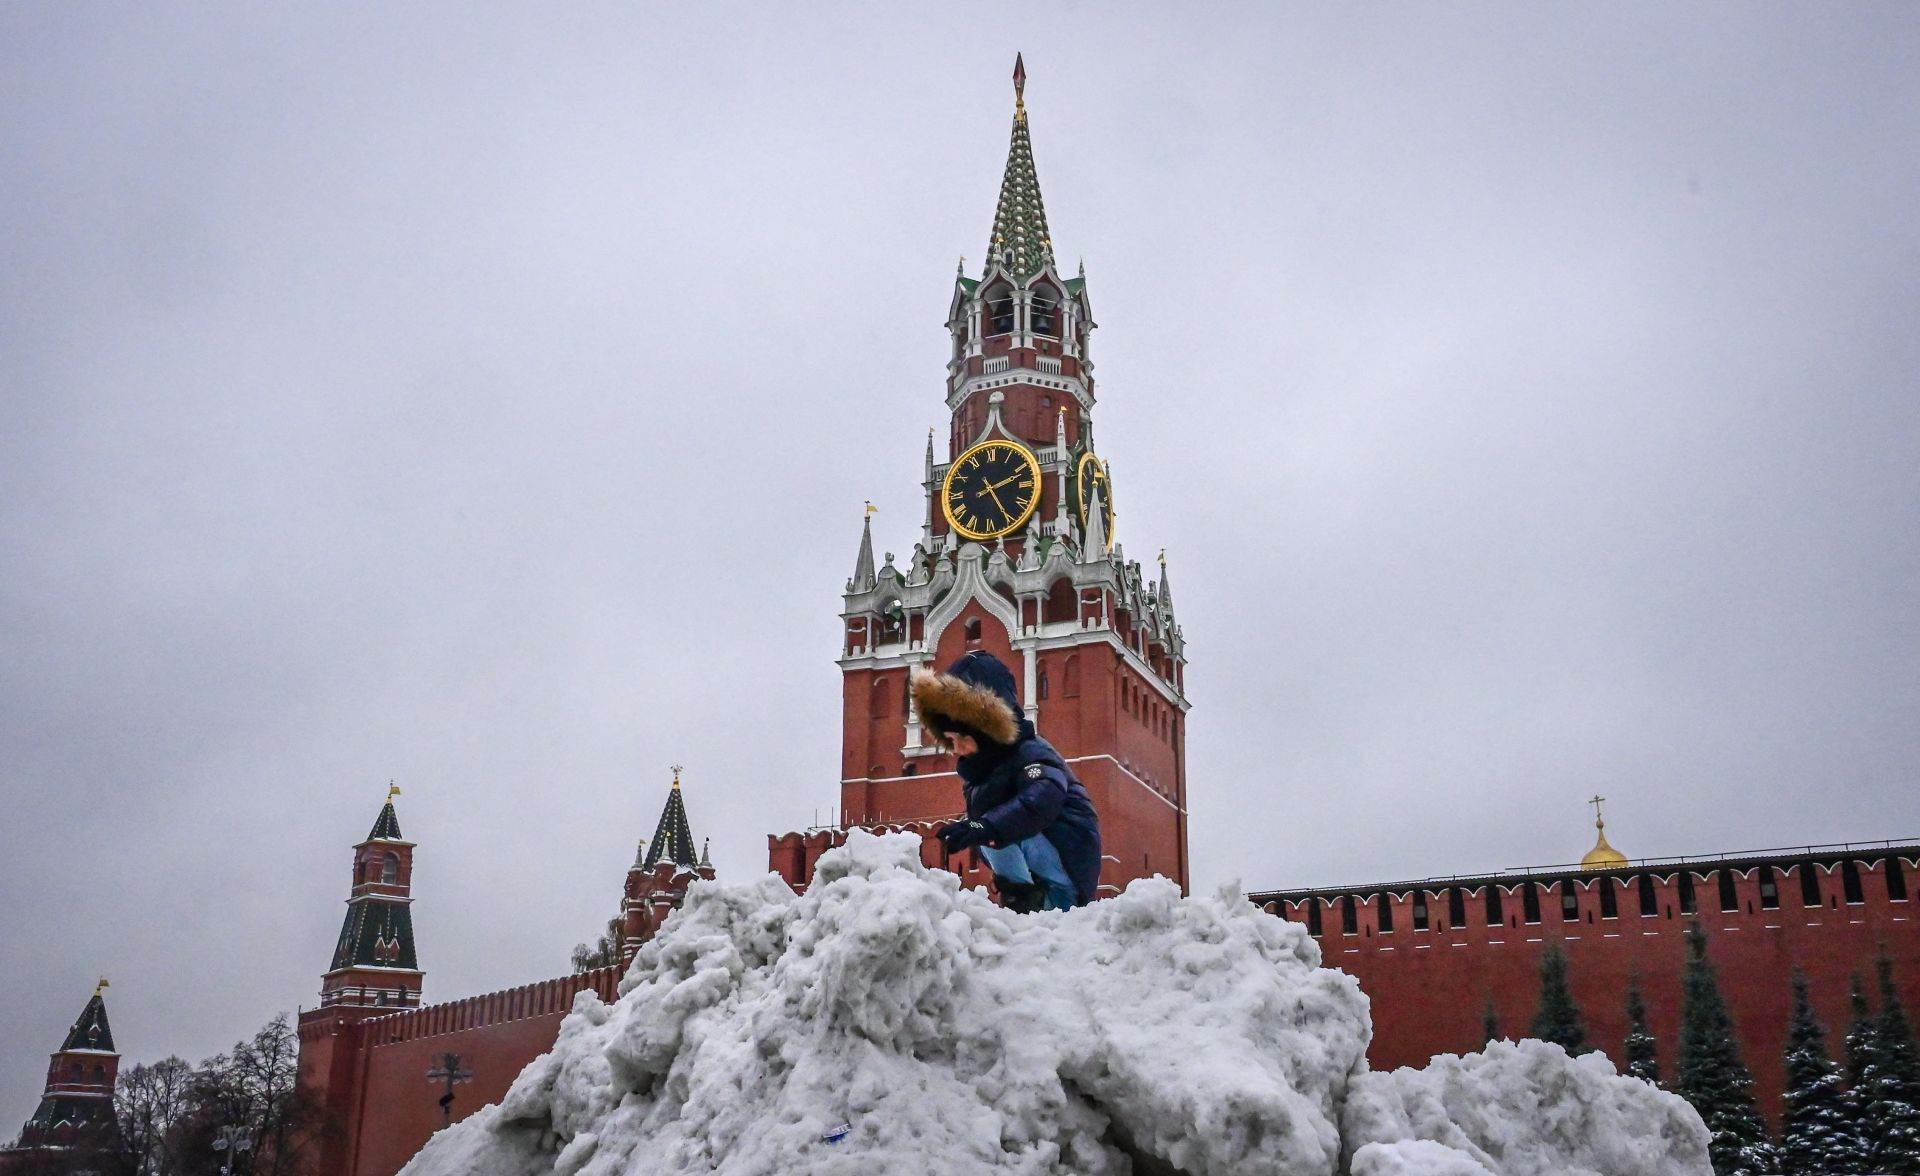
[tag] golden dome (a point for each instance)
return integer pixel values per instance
(1602, 856)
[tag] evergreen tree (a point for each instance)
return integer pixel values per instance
(1489, 1023)
(1819, 1134)
(1641, 1051)
(1863, 1043)
(1558, 1018)
(1890, 1086)
(1711, 1076)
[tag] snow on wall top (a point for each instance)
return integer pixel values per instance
(888, 1020)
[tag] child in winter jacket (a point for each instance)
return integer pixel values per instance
(1028, 815)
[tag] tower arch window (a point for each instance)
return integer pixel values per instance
(1420, 922)
(1046, 312)
(1000, 311)
(882, 698)
(973, 629)
(1070, 677)
(1769, 888)
(390, 869)
(1041, 685)
(1569, 902)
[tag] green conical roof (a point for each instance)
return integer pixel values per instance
(386, 827)
(1021, 243)
(673, 839)
(91, 1031)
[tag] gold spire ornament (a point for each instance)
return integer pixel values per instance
(1602, 856)
(393, 790)
(677, 769)
(100, 987)
(1019, 87)
(871, 508)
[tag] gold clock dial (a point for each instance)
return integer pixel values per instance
(991, 489)
(1091, 475)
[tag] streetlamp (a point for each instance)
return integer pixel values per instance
(452, 1068)
(231, 1142)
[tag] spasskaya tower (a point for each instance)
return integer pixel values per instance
(1017, 555)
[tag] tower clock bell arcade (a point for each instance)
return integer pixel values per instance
(1017, 556)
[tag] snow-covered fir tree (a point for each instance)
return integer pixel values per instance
(1863, 1042)
(1819, 1135)
(1640, 1050)
(1890, 1086)
(1558, 1017)
(1710, 1075)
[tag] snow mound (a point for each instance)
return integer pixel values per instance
(1519, 1109)
(889, 1021)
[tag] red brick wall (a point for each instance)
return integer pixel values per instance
(1429, 988)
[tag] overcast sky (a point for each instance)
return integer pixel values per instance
(1525, 397)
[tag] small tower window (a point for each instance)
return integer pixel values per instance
(390, 869)
(1530, 902)
(1496, 915)
(1569, 902)
(973, 629)
(1385, 902)
(1896, 880)
(1456, 907)
(1349, 918)
(1649, 898)
(1609, 901)
(1769, 889)
(1040, 682)
(1729, 897)
(1419, 910)
(1809, 884)
(1850, 882)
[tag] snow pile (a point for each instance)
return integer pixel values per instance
(888, 1021)
(1517, 1109)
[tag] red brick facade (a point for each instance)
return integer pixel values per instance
(1430, 956)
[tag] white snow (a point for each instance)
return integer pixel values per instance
(940, 1034)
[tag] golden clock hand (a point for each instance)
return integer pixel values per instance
(1004, 481)
(997, 502)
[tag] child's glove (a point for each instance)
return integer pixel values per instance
(965, 835)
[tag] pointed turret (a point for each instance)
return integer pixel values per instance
(386, 826)
(76, 1107)
(657, 883)
(673, 839)
(1021, 244)
(863, 573)
(1096, 543)
(374, 964)
(1164, 592)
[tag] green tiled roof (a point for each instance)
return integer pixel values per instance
(386, 827)
(376, 934)
(673, 839)
(1020, 241)
(91, 1031)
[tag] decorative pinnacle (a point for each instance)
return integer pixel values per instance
(100, 987)
(1163, 558)
(1019, 87)
(871, 508)
(1599, 822)
(677, 769)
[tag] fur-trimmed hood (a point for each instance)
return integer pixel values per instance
(974, 696)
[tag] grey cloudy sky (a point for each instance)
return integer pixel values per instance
(485, 399)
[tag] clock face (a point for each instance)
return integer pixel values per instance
(1091, 475)
(991, 489)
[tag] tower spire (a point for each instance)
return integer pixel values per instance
(673, 838)
(863, 573)
(1021, 243)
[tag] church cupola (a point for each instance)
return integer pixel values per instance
(374, 964)
(76, 1108)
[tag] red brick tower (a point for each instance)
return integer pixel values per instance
(657, 882)
(76, 1109)
(1017, 556)
(374, 971)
